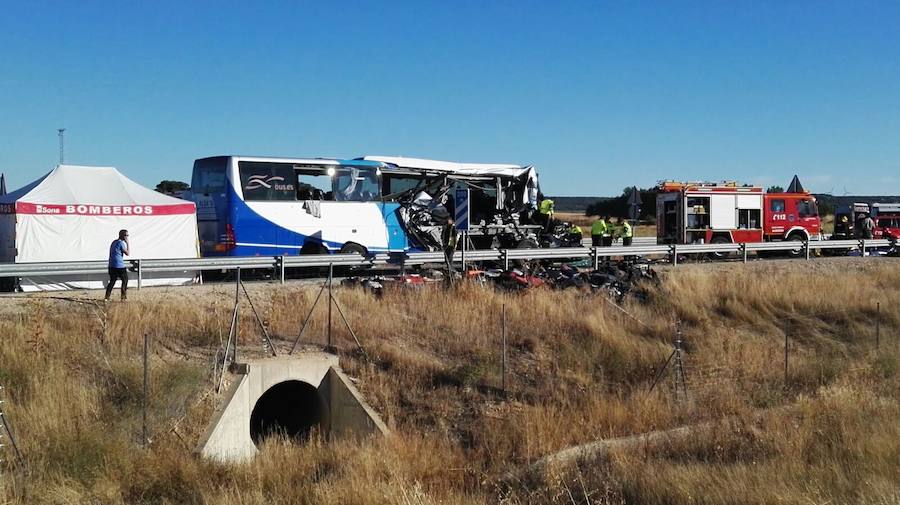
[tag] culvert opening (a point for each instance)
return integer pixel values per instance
(292, 409)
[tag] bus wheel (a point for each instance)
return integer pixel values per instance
(720, 240)
(311, 247)
(351, 248)
(796, 252)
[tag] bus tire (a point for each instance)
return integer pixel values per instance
(313, 248)
(353, 248)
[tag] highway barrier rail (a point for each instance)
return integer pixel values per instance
(508, 257)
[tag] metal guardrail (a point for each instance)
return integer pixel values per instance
(280, 263)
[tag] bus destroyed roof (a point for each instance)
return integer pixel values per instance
(452, 167)
(502, 198)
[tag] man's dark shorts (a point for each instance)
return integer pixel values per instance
(118, 273)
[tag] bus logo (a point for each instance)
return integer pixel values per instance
(263, 181)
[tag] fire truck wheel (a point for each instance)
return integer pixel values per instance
(797, 251)
(719, 241)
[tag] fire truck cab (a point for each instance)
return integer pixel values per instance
(703, 212)
(887, 220)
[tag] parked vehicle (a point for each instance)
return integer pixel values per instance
(718, 213)
(847, 221)
(281, 206)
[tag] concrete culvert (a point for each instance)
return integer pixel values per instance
(292, 408)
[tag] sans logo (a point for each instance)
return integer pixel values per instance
(262, 181)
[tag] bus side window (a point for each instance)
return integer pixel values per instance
(313, 186)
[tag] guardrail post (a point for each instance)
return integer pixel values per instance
(465, 244)
(806, 248)
(140, 274)
(504, 253)
(862, 247)
(596, 254)
(279, 266)
(674, 249)
(744, 251)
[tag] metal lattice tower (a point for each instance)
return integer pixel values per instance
(61, 132)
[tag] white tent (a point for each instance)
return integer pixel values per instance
(74, 213)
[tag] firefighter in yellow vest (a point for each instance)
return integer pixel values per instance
(599, 230)
(574, 235)
(627, 233)
(545, 212)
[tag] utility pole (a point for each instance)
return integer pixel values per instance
(61, 132)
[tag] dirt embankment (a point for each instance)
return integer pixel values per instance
(578, 371)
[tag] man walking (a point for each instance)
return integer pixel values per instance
(118, 249)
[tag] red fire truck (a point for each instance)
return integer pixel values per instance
(848, 220)
(718, 213)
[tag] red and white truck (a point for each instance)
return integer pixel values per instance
(848, 220)
(718, 213)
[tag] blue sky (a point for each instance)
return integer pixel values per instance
(598, 95)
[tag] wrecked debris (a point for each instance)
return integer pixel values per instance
(617, 280)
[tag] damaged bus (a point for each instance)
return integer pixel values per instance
(503, 199)
(260, 206)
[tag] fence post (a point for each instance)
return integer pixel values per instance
(503, 349)
(596, 253)
(674, 254)
(862, 247)
(279, 264)
(330, 303)
(505, 254)
(465, 245)
(787, 331)
(877, 325)
(144, 439)
(744, 251)
(806, 248)
(237, 313)
(140, 272)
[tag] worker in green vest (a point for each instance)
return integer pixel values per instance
(627, 233)
(610, 231)
(545, 212)
(598, 230)
(573, 235)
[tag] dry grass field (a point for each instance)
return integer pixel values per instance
(580, 371)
